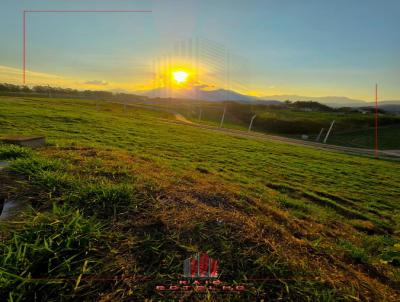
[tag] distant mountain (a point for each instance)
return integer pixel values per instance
(340, 101)
(385, 103)
(207, 94)
(332, 101)
(198, 92)
(204, 93)
(269, 102)
(390, 106)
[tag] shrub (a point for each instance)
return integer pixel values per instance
(9, 152)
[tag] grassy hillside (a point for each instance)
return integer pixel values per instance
(351, 128)
(118, 199)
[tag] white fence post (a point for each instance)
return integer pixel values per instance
(223, 117)
(329, 131)
(251, 122)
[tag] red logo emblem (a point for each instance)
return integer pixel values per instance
(200, 266)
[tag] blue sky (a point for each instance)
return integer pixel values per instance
(304, 47)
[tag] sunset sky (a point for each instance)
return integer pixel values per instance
(303, 47)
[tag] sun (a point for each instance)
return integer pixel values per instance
(180, 76)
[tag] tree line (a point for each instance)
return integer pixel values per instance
(6, 88)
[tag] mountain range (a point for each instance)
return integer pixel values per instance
(207, 94)
(198, 92)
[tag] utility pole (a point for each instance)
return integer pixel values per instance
(376, 120)
(329, 131)
(223, 117)
(251, 122)
(200, 112)
(319, 135)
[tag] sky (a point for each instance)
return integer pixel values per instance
(301, 47)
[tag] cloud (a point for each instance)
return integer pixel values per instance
(96, 83)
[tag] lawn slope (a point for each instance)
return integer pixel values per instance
(118, 198)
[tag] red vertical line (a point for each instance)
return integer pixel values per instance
(376, 120)
(24, 47)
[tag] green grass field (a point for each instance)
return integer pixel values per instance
(118, 199)
(388, 138)
(351, 129)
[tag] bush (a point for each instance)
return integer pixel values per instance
(103, 200)
(33, 166)
(9, 152)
